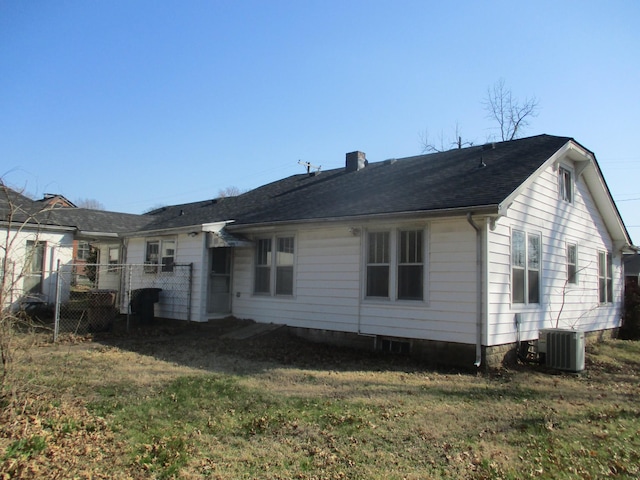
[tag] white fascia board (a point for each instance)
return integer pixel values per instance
(35, 226)
(162, 231)
(552, 160)
(590, 171)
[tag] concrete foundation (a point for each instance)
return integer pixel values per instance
(433, 353)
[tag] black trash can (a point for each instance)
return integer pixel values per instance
(102, 309)
(142, 301)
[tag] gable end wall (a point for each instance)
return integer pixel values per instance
(539, 210)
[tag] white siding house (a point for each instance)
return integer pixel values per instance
(32, 260)
(454, 256)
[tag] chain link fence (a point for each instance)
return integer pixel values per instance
(90, 297)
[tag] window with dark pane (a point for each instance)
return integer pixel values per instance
(410, 265)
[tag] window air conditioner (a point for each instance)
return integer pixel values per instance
(562, 349)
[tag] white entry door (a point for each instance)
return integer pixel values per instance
(219, 300)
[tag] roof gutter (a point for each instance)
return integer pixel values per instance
(163, 231)
(479, 277)
(97, 234)
(17, 225)
(445, 212)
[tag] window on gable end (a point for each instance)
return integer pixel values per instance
(605, 278)
(525, 267)
(572, 263)
(565, 184)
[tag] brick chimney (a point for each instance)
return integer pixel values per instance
(356, 161)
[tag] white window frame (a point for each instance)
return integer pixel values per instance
(112, 262)
(84, 250)
(377, 259)
(392, 261)
(278, 266)
(165, 258)
(565, 184)
(605, 277)
(527, 266)
(572, 277)
(414, 257)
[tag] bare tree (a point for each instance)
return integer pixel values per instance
(20, 219)
(229, 192)
(510, 114)
(457, 142)
(90, 204)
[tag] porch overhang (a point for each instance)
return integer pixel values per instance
(222, 238)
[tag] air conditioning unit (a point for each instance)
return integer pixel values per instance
(562, 349)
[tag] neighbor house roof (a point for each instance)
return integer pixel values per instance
(97, 223)
(478, 178)
(20, 209)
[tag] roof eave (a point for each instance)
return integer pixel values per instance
(162, 231)
(35, 226)
(84, 233)
(486, 210)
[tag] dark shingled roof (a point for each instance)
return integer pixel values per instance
(25, 210)
(88, 220)
(479, 176)
(473, 177)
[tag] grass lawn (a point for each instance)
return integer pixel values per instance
(186, 403)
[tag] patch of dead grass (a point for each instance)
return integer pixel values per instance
(398, 419)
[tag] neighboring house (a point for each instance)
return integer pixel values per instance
(39, 237)
(453, 256)
(101, 230)
(31, 246)
(632, 268)
(55, 200)
(81, 252)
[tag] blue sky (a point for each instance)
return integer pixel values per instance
(138, 104)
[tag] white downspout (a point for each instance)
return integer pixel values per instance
(479, 278)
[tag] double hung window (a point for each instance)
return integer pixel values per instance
(572, 263)
(274, 269)
(565, 184)
(378, 264)
(605, 277)
(83, 250)
(160, 253)
(410, 266)
(114, 258)
(395, 265)
(525, 267)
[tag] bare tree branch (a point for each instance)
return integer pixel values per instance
(428, 147)
(90, 204)
(230, 191)
(507, 111)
